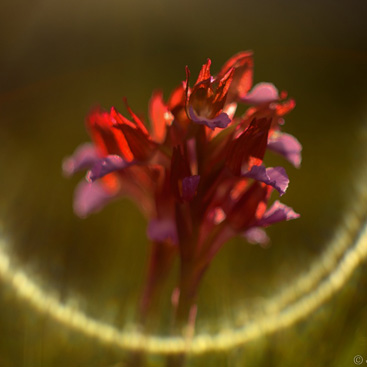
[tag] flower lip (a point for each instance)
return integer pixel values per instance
(287, 146)
(105, 166)
(256, 235)
(272, 176)
(261, 93)
(221, 121)
(91, 197)
(276, 213)
(84, 157)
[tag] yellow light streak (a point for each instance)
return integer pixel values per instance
(345, 252)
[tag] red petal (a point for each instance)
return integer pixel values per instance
(107, 139)
(242, 79)
(159, 116)
(224, 85)
(204, 72)
(135, 118)
(249, 148)
(285, 107)
(273, 110)
(221, 92)
(137, 139)
(140, 145)
(119, 119)
(177, 98)
(249, 207)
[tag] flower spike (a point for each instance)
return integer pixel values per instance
(198, 172)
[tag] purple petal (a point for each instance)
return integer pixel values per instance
(256, 235)
(105, 166)
(287, 146)
(222, 120)
(277, 213)
(90, 198)
(83, 158)
(160, 230)
(189, 187)
(261, 93)
(273, 176)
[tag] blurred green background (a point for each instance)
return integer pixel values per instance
(60, 58)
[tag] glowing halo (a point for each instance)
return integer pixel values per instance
(326, 276)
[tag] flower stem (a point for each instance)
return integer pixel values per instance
(185, 308)
(160, 262)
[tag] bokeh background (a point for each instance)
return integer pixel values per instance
(60, 58)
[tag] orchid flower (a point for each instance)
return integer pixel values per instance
(196, 171)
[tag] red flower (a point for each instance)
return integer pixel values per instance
(198, 174)
(206, 101)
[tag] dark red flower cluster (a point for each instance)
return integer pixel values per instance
(197, 172)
